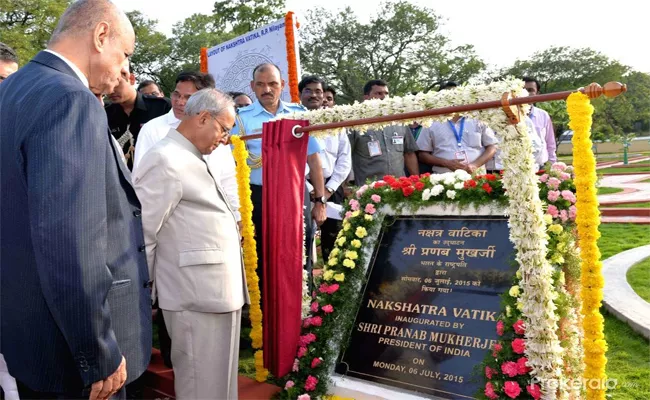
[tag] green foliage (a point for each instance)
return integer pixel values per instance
(401, 44)
(639, 278)
(616, 238)
(26, 25)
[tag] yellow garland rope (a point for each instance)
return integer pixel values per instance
(250, 253)
(588, 219)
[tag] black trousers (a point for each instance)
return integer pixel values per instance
(25, 393)
(331, 227)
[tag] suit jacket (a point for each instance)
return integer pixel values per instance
(191, 234)
(73, 275)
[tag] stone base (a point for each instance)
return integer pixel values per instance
(359, 389)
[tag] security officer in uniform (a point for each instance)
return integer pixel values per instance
(267, 84)
(128, 111)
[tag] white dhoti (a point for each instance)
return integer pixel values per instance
(205, 353)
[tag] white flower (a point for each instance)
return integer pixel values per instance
(435, 178)
(459, 186)
(462, 175)
(426, 194)
(451, 194)
(450, 181)
(436, 190)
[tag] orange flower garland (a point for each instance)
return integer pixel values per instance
(204, 60)
(292, 58)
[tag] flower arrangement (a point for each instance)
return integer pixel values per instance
(250, 254)
(588, 219)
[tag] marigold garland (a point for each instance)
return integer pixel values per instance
(204, 60)
(250, 253)
(292, 58)
(588, 218)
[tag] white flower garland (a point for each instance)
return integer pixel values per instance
(527, 228)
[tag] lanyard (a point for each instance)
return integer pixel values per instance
(459, 135)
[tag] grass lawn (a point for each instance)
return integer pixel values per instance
(609, 190)
(619, 170)
(628, 354)
(639, 278)
(632, 205)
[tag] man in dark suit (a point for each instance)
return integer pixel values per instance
(75, 306)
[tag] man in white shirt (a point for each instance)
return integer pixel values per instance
(221, 160)
(336, 159)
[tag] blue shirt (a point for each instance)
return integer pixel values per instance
(252, 117)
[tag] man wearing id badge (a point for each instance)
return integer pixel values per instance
(386, 152)
(458, 143)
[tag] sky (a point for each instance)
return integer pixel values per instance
(501, 31)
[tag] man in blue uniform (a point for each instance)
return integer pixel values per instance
(267, 85)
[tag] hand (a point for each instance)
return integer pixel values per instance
(318, 213)
(102, 390)
(454, 165)
(471, 168)
(328, 194)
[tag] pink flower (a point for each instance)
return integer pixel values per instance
(522, 369)
(354, 205)
(313, 321)
(302, 352)
(564, 216)
(573, 211)
(370, 209)
(558, 166)
(509, 368)
(497, 349)
(553, 183)
(512, 389)
(543, 178)
(316, 362)
(519, 327)
(553, 211)
(489, 391)
(289, 385)
(314, 307)
(328, 309)
(361, 191)
(376, 198)
(534, 390)
(489, 372)
(310, 384)
(519, 346)
(568, 195)
(296, 365)
(304, 397)
(304, 340)
(564, 176)
(500, 328)
(553, 195)
(329, 289)
(348, 215)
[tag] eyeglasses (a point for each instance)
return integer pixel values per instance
(225, 130)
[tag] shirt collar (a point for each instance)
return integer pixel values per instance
(171, 119)
(76, 70)
(177, 137)
(258, 108)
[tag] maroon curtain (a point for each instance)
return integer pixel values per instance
(284, 158)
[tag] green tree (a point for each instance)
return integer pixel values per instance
(401, 44)
(152, 48)
(26, 25)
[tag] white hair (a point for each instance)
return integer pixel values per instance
(211, 100)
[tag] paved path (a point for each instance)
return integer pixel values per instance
(635, 190)
(609, 164)
(619, 297)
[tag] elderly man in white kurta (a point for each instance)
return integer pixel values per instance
(193, 249)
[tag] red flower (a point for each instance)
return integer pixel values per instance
(310, 384)
(419, 186)
(377, 185)
(489, 391)
(512, 389)
(316, 362)
(469, 184)
(500, 328)
(490, 177)
(314, 321)
(489, 372)
(407, 191)
(329, 289)
(395, 185)
(519, 346)
(497, 349)
(327, 309)
(314, 307)
(486, 186)
(519, 327)
(406, 183)
(426, 175)
(302, 352)
(304, 340)
(509, 368)
(522, 369)
(414, 178)
(534, 390)
(388, 178)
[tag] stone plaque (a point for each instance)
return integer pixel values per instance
(430, 305)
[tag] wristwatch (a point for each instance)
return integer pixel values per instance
(320, 199)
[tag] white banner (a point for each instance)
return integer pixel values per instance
(231, 63)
